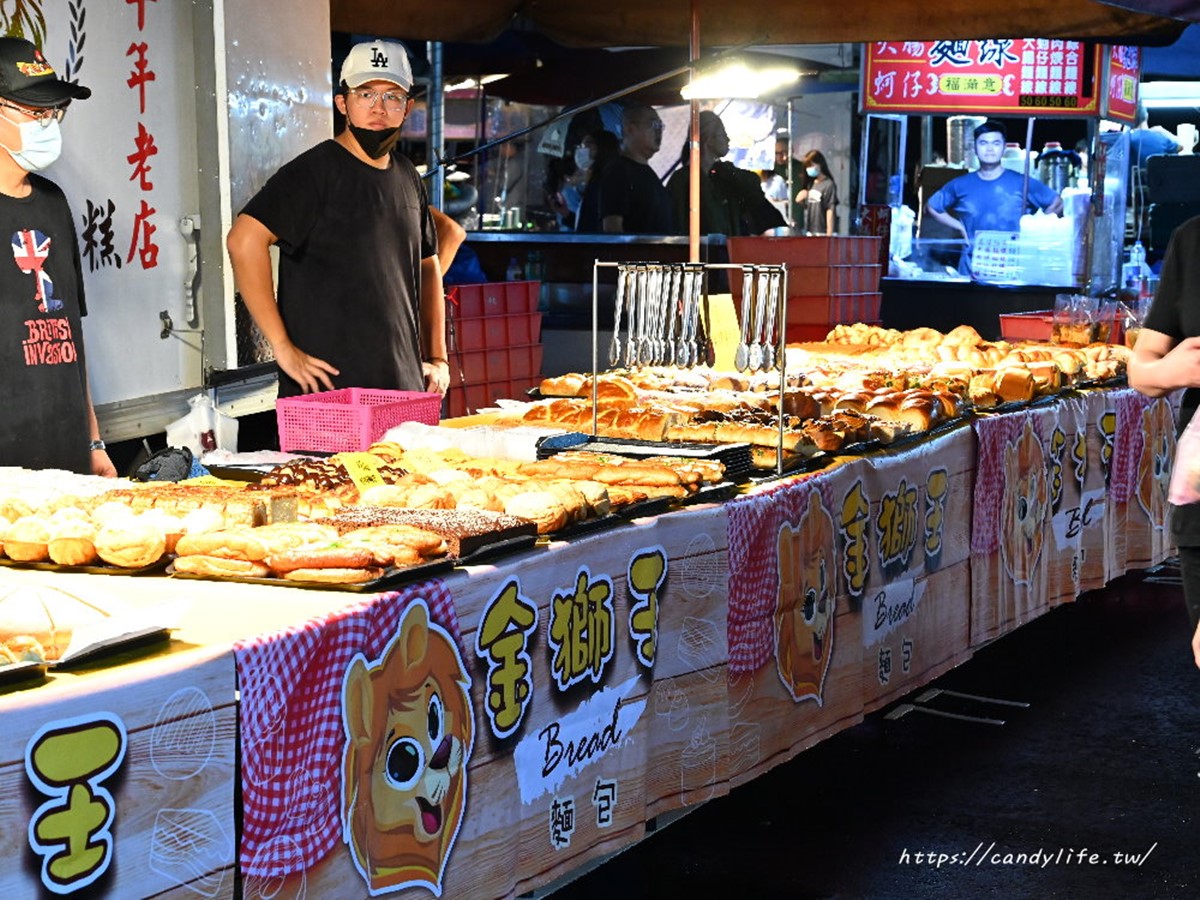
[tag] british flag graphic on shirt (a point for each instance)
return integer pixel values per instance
(31, 249)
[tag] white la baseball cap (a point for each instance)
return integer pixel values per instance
(377, 61)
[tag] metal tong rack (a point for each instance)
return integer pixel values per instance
(657, 307)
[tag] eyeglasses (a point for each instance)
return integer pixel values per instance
(392, 101)
(43, 116)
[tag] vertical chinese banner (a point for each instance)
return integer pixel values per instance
(1122, 76)
(130, 173)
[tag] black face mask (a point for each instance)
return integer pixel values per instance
(376, 143)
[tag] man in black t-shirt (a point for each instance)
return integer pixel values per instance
(360, 300)
(632, 197)
(1166, 358)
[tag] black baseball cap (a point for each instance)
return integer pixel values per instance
(26, 77)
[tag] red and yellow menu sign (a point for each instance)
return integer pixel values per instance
(1023, 76)
(1121, 85)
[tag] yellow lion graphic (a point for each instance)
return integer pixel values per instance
(1024, 505)
(409, 734)
(1154, 464)
(805, 602)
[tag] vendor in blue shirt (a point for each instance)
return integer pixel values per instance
(989, 199)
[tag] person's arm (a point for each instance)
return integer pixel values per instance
(947, 219)
(1055, 207)
(1196, 646)
(1158, 365)
(102, 464)
(435, 363)
(450, 236)
(249, 243)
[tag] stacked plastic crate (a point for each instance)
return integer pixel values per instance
(494, 336)
(831, 280)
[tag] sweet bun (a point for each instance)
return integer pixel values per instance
(219, 567)
(328, 556)
(541, 507)
(334, 575)
(27, 538)
(73, 543)
(134, 544)
(568, 385)
(1014, 384)
(229, 543)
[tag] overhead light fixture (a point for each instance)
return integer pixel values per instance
(473, 84)
(738, 81)
(1163, 94)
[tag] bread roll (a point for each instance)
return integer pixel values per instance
(540, 507)
(334, 576)
(229, 543)
(219, 567)
(1014, 385)
(131, 545)
(73, 543)
(27, 538)
(335, 555)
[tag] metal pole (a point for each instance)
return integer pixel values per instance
(437, 122)
(694, 153)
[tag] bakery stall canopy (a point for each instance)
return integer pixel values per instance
(586, 23)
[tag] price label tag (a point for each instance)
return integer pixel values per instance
(363, 469)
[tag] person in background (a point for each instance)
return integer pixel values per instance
(632, 198)
(786, 164)
(1166, 358)
(360, 300)
(450, 236)
(49, 420)
(818, 195)
(731, 199)
(603, 147)
(989, 199)
(1145, 141)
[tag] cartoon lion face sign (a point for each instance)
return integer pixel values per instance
(1154, 464)
(805, 602)
(409, 734)
(1023, 505)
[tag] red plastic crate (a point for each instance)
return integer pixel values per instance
(508, 363)
(499, 330)
(496, 297)
(1027, 326)
(349, 419)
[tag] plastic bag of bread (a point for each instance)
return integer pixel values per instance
(1185, 475)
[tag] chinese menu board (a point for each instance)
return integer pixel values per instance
(1000, 77)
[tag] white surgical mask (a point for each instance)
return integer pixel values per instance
(583, 157)
(813, 171)
(40, 147)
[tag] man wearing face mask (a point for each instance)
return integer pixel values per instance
(47, 410)
(360, 300)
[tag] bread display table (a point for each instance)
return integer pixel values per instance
(490, 731)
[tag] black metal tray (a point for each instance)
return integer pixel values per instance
(17, 672)
(95, 569)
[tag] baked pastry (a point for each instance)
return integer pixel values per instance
(72, 542)
(133, 544)
(219, 567)
(27, 538)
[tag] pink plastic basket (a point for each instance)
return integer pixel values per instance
(349, 419)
